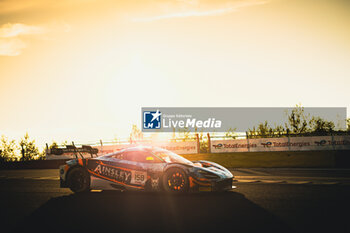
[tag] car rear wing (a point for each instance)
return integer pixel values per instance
(69, 149)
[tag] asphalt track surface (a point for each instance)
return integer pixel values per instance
(265, 200)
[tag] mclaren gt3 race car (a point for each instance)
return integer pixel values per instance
(144, 168)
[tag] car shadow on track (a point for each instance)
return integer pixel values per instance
(152, 212)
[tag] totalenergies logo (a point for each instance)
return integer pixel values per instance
(267, 144)
(320, 143)
(218, 146)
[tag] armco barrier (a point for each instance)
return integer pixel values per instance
(34, 164)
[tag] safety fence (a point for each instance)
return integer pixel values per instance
(207, 143)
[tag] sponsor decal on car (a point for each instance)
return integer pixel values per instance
(113, 173)
(155, 183)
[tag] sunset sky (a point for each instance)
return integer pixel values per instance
(82, 69)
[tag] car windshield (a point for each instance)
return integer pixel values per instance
(170, 157)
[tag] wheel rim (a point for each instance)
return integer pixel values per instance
(176, 181)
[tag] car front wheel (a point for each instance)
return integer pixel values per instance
(175, 180)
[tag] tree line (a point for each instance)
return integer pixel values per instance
(27, 148)
(298, 124)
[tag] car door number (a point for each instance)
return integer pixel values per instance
(139, 177)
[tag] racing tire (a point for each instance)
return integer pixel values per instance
(175, 180)
(78, 180)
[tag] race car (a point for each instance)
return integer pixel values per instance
(144, 168)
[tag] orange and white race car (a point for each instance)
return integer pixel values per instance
(144, 168)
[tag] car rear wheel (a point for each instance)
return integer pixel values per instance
(79, 180)
(175, 180)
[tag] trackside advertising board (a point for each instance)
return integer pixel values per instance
(189, 147)
(282, 144)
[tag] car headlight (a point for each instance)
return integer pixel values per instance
(207, 175)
